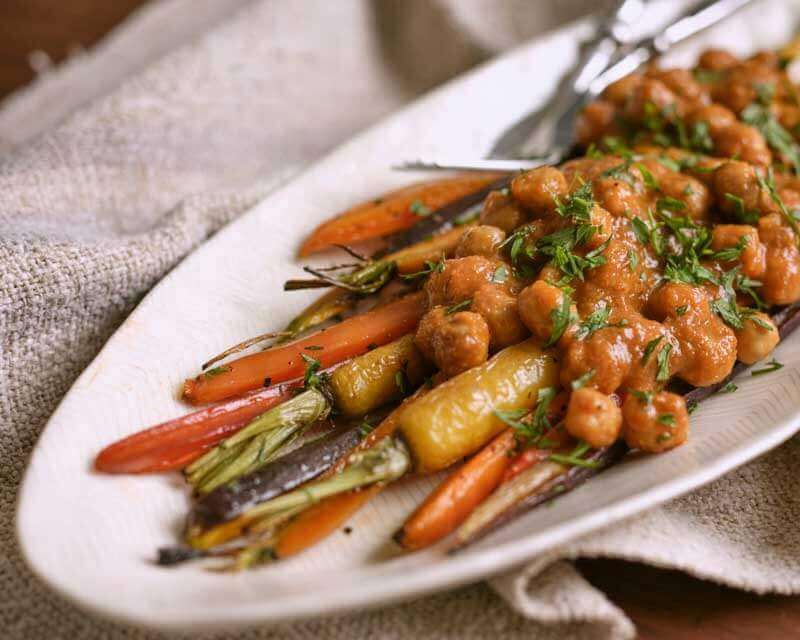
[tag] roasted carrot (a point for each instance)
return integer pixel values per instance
(453, 500)
(395, 211)
(173, 444)
(348, 339)
(320, 521)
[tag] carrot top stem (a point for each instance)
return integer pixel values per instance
(256, 444)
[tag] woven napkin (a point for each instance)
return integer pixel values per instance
(117, 165)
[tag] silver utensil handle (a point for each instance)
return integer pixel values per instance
(709, 13)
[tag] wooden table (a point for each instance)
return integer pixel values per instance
(663, 604)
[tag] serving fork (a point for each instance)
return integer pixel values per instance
(546, 135)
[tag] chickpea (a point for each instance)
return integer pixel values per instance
(460, 278)
(743, 142)
(656, 422)
(740, 180)
(717, 117)
(757, 338)
(651, 92)
(594, 417)
(788, 115)
(603, 222)
(500, 310)
(460, 342)
(781, 279)
(753, 256)
(665, 301)
(595, 121)
(537, 304)
(706, 349)
(538, 189)
(767, 59)
(717, 60)
(620, 90)
(682, 83)
(500, 210)
(618, 197)
(483, 240)
(601, 354)
(428, 325)
(693, 193)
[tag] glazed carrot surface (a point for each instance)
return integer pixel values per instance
(174, 444)
(454, 499)
(321, 520)
(395, 211)
(345, 340)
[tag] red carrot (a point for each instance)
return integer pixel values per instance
(174, 444)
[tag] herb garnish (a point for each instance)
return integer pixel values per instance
(430, 267)
(772, 365)
(729, 388)
(666, 418)
(420, 209)
(596, 320)
(313, 379)
(459, 306)
(662, 359)
(561, 317)
(500, 274)
(645, 397)
(760, 116)
(216, 371)
(649, 348)
(580, 381)
(532, 431)
(574, 457)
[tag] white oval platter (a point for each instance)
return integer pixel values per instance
(92, 537)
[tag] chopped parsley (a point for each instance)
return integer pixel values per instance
(759, 115)
(596, 320)
(649, 348)
(633, 259)
(739, 211)
(680, 311)
(459, 306)
(419, 208)
(561, 317)
(729, 388)
(430, 267)
(364, 429)
(216, 371)
(666, 418)
(662, 359)
(768, 183)
(313, 378)
(691, 406)
(772, 365)
(534, 430)
(575, 457)
(580, 381)
(500, 274)
(645, 397)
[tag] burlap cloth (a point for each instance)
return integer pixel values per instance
(120, 163)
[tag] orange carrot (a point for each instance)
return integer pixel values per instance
(174, 444)
(395, 211)
(453, 500)
(320, 521)
(345, 340)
